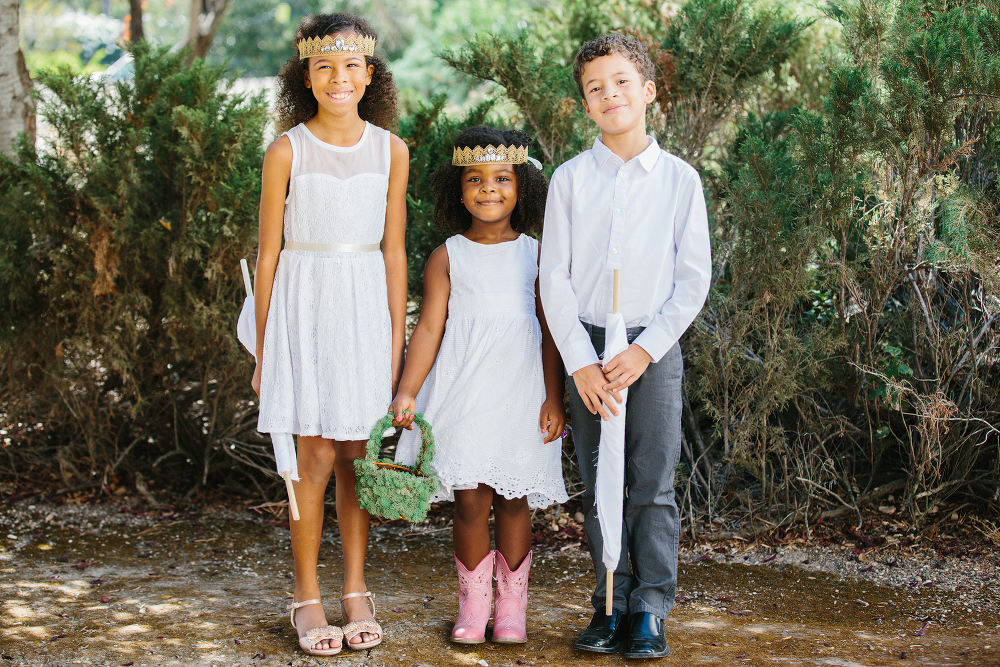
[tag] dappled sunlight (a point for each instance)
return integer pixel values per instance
(704, 625)
(129, 630)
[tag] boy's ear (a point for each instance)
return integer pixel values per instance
(649, 91)
(586, 107)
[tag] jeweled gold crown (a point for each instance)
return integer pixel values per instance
(330, 45)
(470, 157)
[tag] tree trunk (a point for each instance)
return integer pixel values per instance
(135, 33)
(17, 110)
(204, 21)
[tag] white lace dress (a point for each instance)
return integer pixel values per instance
(327, 361)
(485, 391)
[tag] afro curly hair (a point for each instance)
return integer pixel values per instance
(296, 103)
(450, 213)
(616, 43)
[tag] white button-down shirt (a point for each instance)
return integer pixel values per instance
(645, 217)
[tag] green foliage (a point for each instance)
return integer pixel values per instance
(532, 77)
(119, 272)
(430, 136)
(392, 491)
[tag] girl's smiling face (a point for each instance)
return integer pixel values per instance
(489, 192)
(338, 80)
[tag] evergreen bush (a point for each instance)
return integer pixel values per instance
(119, 276)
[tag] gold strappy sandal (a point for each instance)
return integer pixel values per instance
(355, 628)
(317, 635)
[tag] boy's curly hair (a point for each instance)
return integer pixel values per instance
(296, 103)
(450, 213)
(616, 43)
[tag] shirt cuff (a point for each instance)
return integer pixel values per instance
(656, 342)
(578, 356)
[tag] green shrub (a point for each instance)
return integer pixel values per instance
(119, 275)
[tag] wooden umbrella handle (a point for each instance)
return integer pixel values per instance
(610, 593)
(617, 292)
(246, 277)
(293, 507)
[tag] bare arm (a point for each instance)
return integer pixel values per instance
(552, 419)
(426, 338)
(394, 251)
(274, 187)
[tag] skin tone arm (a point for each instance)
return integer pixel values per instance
(274, 186)
(394, 252)
(426, 338)
(552, 419)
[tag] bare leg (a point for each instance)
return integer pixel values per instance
(513, 528)
(471, 532)
(316, 458)
(353, 522)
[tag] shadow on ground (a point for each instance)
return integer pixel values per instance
(211, 590)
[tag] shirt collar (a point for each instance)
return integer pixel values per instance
(647, 158)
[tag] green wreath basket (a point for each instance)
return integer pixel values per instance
(392, 491)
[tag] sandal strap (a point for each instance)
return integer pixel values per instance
(316, 635)
(296, 605)
(355, 628)
(365, 594)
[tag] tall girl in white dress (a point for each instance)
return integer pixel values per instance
(494, 380)
(331, 305)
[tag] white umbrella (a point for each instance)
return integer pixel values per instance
(610, 484)
(284, 445)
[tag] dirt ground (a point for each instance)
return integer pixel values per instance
(107, 584)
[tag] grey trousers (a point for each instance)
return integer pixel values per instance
(651, 525)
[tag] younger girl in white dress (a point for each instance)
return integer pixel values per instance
(494, 380)
(331, 305)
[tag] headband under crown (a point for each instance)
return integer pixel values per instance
(470, 157)
(352, 45)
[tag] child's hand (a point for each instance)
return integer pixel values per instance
(402, 408)
(553, 419)
(255, 380)
(590, 383)
(625, 369)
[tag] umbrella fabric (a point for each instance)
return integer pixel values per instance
(610, 484)
(246, 327)
(246, 332)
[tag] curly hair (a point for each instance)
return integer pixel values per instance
(450, 213)
(614, 44)
(297, 104)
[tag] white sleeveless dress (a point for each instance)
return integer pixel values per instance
(485, 391)
(327, 359)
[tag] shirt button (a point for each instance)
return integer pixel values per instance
(621, 174)
(618, 211)
(614, 251)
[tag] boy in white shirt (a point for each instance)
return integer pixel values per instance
(626, 204)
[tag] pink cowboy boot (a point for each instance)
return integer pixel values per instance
(475, 597)
(509, 615)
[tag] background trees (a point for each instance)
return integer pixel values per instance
(850, 346)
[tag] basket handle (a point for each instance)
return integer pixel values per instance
(422, 464)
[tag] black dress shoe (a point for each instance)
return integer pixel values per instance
(604, 634)
(645, 637)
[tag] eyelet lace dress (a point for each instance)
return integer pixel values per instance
(326, 368)
(485, 391)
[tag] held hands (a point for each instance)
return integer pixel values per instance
(402, 408)
(552, 420)
(590, 383)
(625, 369)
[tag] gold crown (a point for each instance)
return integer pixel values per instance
(330, 45)
(470, 157)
